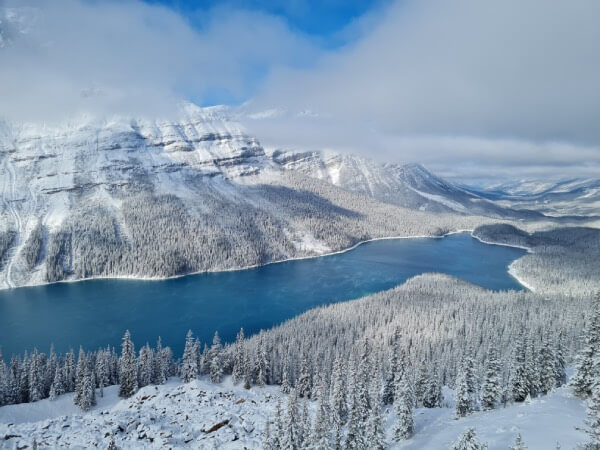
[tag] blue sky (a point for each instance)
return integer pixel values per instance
(323, 19)
(324, 23)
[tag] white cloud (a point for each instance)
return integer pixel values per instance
(511, 83)
(131, 57)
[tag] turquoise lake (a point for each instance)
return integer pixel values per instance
(96, 313)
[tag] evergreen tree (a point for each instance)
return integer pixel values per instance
(560, 365)
(88, 391)
(547, 366)
(404, 402)
(304, 383)
(70, 371)
(519, 384)
(376, 436)
(432, 397)
(237, 373)
(57, 388)
(289, 436)
(583, 379)
(468, 441)
(519, 444)
(161, 364)
(36, 377)
(465, 394)
(277, 438)
(145, 366)
(491, 389)
(320, 439)
(127, 368)
(285, 376)
(216, 362)
(102, 371)
(189, 368)
(79, 378)
(593, 409)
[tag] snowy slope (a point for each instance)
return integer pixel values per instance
(570, 196)
(182, 415)
(410, 185)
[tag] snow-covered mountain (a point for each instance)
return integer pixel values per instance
(410, 185)
(571, 196)
(123, 196)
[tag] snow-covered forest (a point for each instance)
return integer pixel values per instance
(346, 371)
(561, 260)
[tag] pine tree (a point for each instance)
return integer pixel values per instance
(320, 439)
(127, 368)
(285, 376)
(583, 380)
(394, 373)
(189, 368)
(519, 383)
(277, 438)
(532, 369)
(289, 437)
(237, 373)
(216, 363)
(102, 371)
(79, 378)
(404, 402)
(519, 444)
(432, 397)
(145, 366)
(560, 365)
(465, 394)
(57, 388)
(304, 383)
(376, 432)
(160, 368)
(3, 381)
(339, 409)
(36, 378)
(547, 366)
(468, 441)
(593, 409)
(491, 390)
(88, 391)
(70, 372)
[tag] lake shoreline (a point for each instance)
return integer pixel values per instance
(512, 272)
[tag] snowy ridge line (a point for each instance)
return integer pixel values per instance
(522, 247)
(233, 269)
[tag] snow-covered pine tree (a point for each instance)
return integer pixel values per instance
(277, 436)
(468, 441)
(216, 360)
(533, 369)
(403, 406)
(465, 394)
(102, 371)
(560, 365)
(145, 365)
(3, 381)
(70, 371)
(304, 382)
(320, 436)
(57, 387)
(519, 443)
(36, 377)
(127, 368)
(491, 389)
(189, 367)
(376, 436)
(289, 436)
(285, 375)
(88, 391)
(237, 373)
(547, 365)
(79, 378)
(432, 397)
(519, 384)
(160, 368)
(262, 363)
(583, 379)
(593, 409)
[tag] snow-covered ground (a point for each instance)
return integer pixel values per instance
(180, 415)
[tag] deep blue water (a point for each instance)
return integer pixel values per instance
(97, 312)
